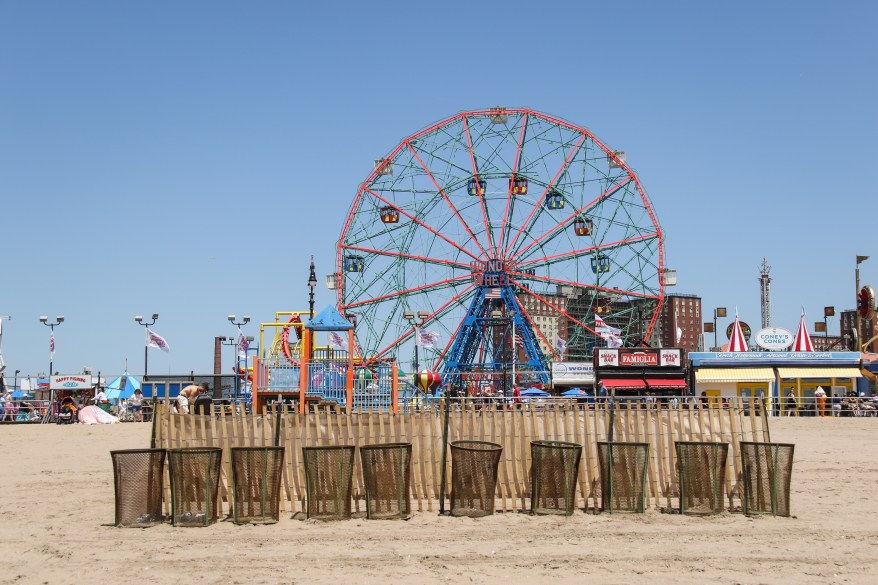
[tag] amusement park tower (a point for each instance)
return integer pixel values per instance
(765, 289)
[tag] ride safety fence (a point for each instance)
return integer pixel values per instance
(513, 429)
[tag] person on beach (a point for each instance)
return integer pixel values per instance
(188, 395)
(791, 404)
(135, 405)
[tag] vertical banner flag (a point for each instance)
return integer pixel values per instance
(156, 340)
(243, 345)
(337, 340)
(679, 335)
(52, 346)
(611, 335)
(427, 338)
(560, 345)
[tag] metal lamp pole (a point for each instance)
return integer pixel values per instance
(718, 312)
(45, 321)
(244, 320)
(410, 317)
(139, 319)
(312, 282)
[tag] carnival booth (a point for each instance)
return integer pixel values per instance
(638, 371)
(776, 374)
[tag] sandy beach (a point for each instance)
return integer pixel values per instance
(57, 510)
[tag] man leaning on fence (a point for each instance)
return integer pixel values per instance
(187, 396)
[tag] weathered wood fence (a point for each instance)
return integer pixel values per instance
(659, 426)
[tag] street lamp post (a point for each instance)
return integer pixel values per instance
(244, 320)
(45, 321)
(857, 297)
(312, 283)
(510, 316)
(827, 313)
(139, 319)
(410, 317)
(15, 380)
(708, 327)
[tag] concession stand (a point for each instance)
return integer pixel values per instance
(638, 371)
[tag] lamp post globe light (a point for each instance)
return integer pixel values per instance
(140, 320)
(312, 284)
(51, 325)
(244, 320)
(410, 317)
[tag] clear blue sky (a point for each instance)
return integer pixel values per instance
(187, 157)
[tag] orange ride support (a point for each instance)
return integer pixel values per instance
(305, 365)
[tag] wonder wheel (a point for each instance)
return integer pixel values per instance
(496, 237)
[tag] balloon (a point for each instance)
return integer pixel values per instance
(427, 380)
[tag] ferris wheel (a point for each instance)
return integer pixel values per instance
(496, 237)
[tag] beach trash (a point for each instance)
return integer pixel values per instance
(256, 479)
(195, 476)
(623, 476)
(328, 476)
(387, 471)
(137, 477)
(702, 473)
(554, 469)
(767, 470)
(474, 477)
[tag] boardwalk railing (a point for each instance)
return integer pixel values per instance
(658, 425)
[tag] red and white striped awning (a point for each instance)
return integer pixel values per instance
(803, 340)
(737, 342)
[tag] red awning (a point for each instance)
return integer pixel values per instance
(624, 383)
(666, 382)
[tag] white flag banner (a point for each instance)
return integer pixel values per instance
(243, 345)
(427, 338)
(609, 334)
(337, 340)
(560, 345)
(154, 340)
(679, 335)
(52, 346)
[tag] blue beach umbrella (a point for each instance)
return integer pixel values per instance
(534, 391)
(122, 387)
(574, 392)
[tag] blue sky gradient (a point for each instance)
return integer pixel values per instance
(187, 158)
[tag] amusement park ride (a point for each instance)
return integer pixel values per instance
(509, 231)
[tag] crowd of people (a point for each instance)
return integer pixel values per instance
(822, 405)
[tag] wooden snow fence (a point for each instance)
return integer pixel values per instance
(660, 426)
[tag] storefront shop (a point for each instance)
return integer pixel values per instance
(639, 371)
(775, 375)
(566, 375)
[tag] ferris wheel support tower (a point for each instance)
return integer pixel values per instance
(765, 289)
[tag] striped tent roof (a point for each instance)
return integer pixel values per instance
(737, 342)
(803, 340)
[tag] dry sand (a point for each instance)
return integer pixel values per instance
(57, 509)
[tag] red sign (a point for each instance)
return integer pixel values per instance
(638, 358)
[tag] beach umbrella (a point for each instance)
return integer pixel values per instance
(737, 342)
(803, 340)
(122, 387)
(574, 392)
(534, 391)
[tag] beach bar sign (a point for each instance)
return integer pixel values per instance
(774, 338)
(79, 382)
